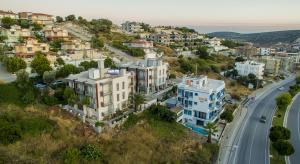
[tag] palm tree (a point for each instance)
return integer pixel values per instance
(138, 99)
(212, 129)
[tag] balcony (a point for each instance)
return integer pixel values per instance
(105, 104)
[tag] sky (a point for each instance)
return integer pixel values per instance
(204, 15)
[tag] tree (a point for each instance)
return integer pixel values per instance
(24, 23)
(279, 133)
(70, 96)
(39, 36)
(162, 113)
(59, 19)
(55, 45)
(298, 80)
(10, 133)
(6, 22)
(100, 25)
(14, 64)
(88, 64)
(22, 80)
(90, 152)
(284, 148)
(109, 63)
(230, 43)
(283, 101)
(97, 43)
(227, 115)
(60, 61)
(2, 38)
(239, 59)
(28, 97)
(202, 52)
(70, 17)
(66, 70)
(212, 129)
(49, 76)
(37, 27)
(40, 64)
(138, 99)
(172, 76)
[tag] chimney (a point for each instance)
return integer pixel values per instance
(101, 67)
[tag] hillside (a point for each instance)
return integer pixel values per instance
(263, 39)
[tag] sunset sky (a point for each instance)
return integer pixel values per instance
(235, 14)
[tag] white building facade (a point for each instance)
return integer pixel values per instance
(201, 100)
(107, 90)
(250, 67)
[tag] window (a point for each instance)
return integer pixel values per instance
(123, 95)
(195, 103)
(118, 87)
(123, 85)
(29, 48)
(196, 94)
(118, 97)
(190, 103)
(188, 112)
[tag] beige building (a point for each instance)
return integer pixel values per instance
(272, 66)
(9, 14)
(30, 47)
(151, 73)
(53, 33)
(14, 34)
(39, 18)
(107, 90)
(77, 49)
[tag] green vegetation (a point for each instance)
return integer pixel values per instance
(6, 22)
(97, 43)
(90, 152)
(230, 43)
(136, 52)
(14, 64)
(227, 115)
(138, 99)
(283, 100)
(40, 64)
(55, 45)
(59, 19)
(185, 30)
(16, 125)
(294, 90)
(211, 129)
(279, 133)
(37, 27)
(202, 52)
(70, 18)
(109, 63)
(88, 64)
(66, 70)
(284, 148)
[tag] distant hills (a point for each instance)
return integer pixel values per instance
(262, 39)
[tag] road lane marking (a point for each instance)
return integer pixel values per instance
(252, 143)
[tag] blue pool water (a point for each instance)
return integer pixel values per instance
(196, 129)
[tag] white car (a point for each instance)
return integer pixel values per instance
(281, 88)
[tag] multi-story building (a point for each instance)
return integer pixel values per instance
(107, 90)
(9, 14)
(14, 34)
(140, 44)
(265, 51)
(30, 47)
(160, 38)
(132, 27)
(151, 73)
(39, 18)
(76, 48)
(272, 66)
(201, 100)
(250, 67)
(53, 33)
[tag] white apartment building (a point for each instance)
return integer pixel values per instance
(201, 99)
(265, 51)
(250, 67)
(132, 27)
(151, 73)
(108, 90)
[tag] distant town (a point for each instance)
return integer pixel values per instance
(107, 77)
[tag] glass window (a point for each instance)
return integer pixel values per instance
(123, 95)
(195, 103)
(196, 94)
(123, 85)
(118, 97)
(118, 87)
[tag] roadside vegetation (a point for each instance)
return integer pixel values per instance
(280, 135)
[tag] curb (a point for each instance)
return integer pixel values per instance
(286, 115)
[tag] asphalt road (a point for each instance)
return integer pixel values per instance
(251, 143)
(293, 123)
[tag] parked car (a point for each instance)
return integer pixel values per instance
(281, 88)
(263, 119)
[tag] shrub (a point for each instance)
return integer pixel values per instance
(227, 115)
(279, 133)
(284, 148)
(162, 113)
(9, 134)
(98, 123)
(49, 100)
(71, 155)
(28, 98)
(131, 121)
(90, 152)
(283, 101)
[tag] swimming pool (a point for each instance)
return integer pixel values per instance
(197, 129)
